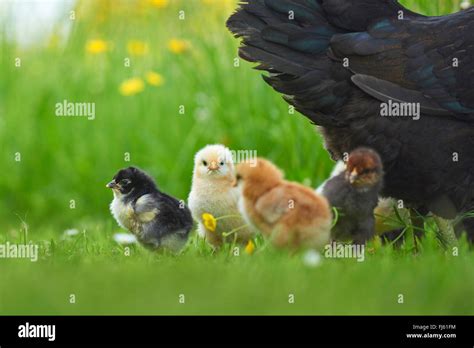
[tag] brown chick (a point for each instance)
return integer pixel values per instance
(291, 215)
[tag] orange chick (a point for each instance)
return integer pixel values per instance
(289, 214)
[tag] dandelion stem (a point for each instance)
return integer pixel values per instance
(227, 234)
(228, 216)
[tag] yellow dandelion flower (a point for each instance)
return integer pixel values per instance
(96, 46)
(226, 4)
(209, 221)
(250, 247)
(159, 3)
(178, 46)
(131, 86)
(217, 2)
(137, 48)
(154, 78)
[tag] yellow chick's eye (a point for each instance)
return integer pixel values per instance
(204, 163)
(222, 163)
(210, 222)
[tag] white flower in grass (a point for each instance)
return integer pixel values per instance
(125, 238)
(312, 258)
(465, 4)
(70, 233)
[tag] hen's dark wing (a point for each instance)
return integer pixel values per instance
(291, 40)
(427, 60)
(414, 59)
(357, 15)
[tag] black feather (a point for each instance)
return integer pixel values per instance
(385, 91)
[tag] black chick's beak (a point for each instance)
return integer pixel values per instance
(111, 184)
(353, 176)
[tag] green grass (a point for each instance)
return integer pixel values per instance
(64, 159)
(432, 7)
(106, 281)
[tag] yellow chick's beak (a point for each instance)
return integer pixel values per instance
(353, 176)
(213, 166)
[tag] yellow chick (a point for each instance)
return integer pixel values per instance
(290, 214)
(213, 192)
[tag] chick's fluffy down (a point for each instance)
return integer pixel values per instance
(213, 192)
(219, 201)
(294, 216)
(289, 214)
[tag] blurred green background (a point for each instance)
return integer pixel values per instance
(173, 62)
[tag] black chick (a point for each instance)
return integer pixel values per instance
(340, 62)
(355, 194)
(158, 220)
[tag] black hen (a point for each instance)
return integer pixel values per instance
(339, 61)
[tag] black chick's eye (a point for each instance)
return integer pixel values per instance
(204, 163)
(124, 182)
(367, 171)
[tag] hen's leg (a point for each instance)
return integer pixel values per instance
(446, 234)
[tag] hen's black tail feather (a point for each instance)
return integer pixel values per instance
(291, 39)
